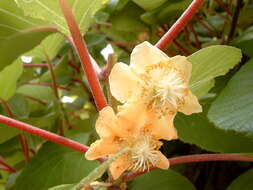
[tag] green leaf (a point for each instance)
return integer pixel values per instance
(62, 187)
(62, 70)
(44, 93)
(172, 9)
(232, 110)
(197, 130)
(6, 133)
(149, 5)
(126, 27)
(54, 165)
(243, 182)
(15, 28)
(8, 79)
(52, 44)
(19, 106)
(245, 41)
(162, 180)
(46, 10)
(209, 63)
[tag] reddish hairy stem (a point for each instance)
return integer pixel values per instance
(73, 66)
(36, 100)
(6, 169)
(24, 146)
(82, 148)
(22, 139)
(7, 108)
(179, 24)
(50, 66)
(6, 166)
(47, 84)
(83, 53)
(187, 34)
(43, 134)
(35, 65)
(194, 158)
(209, 29)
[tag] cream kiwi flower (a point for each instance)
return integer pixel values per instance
(160, 82)
(136, 128)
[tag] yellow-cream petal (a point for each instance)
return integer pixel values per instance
(163, 162)
(191, 104)
(131, 117)
(107, 124)
(163, 128)
(120, 165)
(122, 81)
(145, 54)
(183, 65)
(101, 148)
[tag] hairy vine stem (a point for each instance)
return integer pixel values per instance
(29, 65)
(84, 56)
(191, 159)
(179, 24)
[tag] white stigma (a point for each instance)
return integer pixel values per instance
(144, 154)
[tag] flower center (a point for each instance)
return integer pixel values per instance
(144, 153)
(163, 86)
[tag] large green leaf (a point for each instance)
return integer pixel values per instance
(15, 28)
(162, 180)
(243, 182)
(245, 41)
(51, 44)
(8, 79)
(46, 10)
(54, 165)
(197, 130)
(209, 63)
(232, 110)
